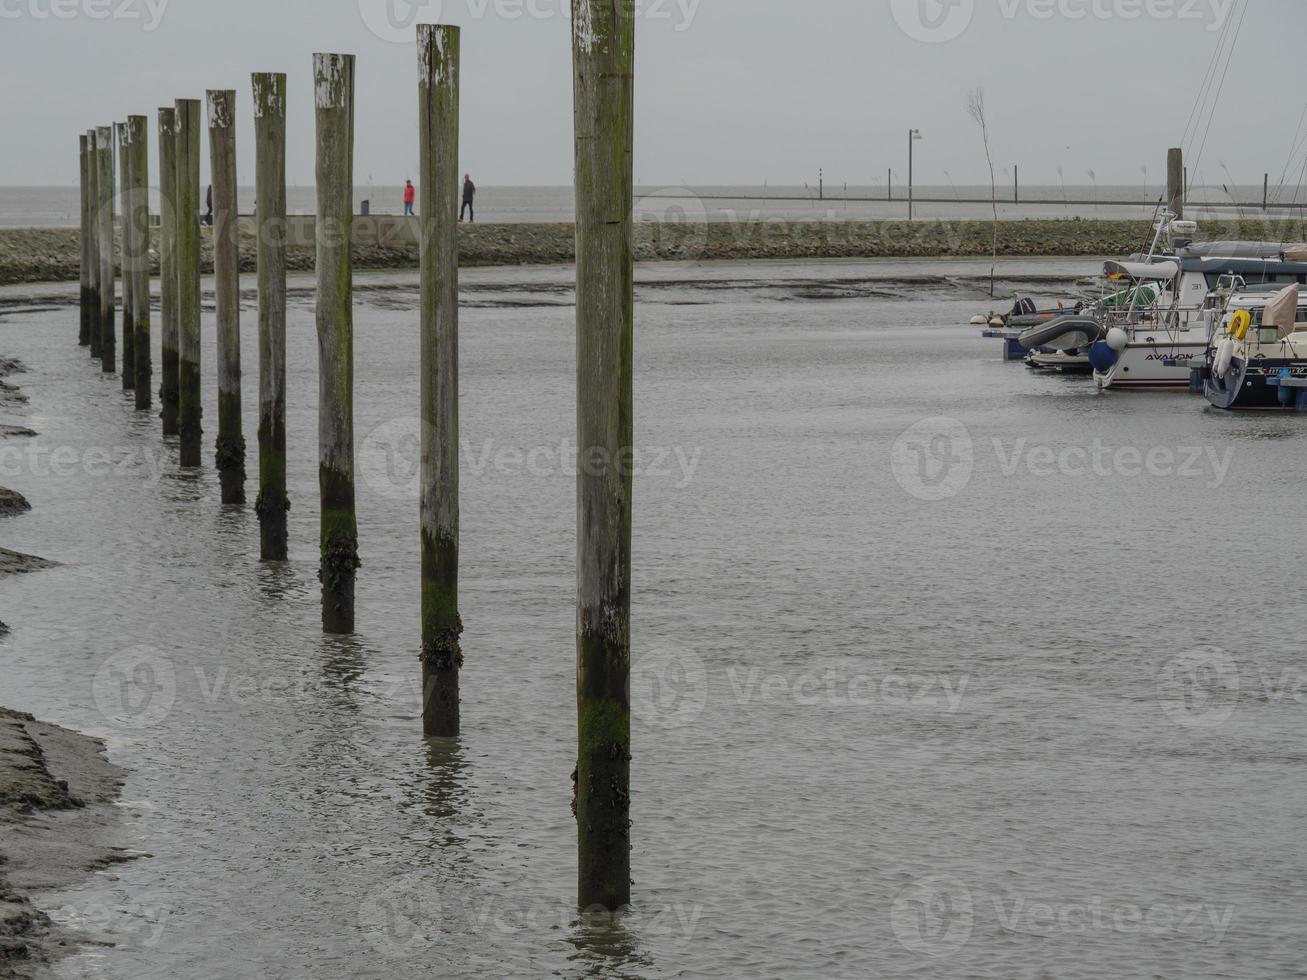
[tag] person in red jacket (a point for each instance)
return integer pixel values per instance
(410, 195)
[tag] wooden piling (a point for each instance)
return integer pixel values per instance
(168, 337)
(1175, 182)
(603, 44)
(189, 410)
(93, 238)
(230, 452)
(105, 222)
(138, 142)
(129, 311)
(84, 243)
(438, 108)
(270, 195)
(333, 76)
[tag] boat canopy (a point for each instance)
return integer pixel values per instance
(1282, 311)
(1156, 271)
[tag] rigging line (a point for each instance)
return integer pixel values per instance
(1302, 175)
(1211, 97)
(1211, 94)
(1293, 150)
(1200, 99)
(1221, 88)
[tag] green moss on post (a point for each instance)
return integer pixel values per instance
(333, 76)
(270, 193)
(138, 141)
(189, 408)
(104, 225)
(129, 310)
(603, 45)
(230, 455)
(93, 240)
(168, 336)
(84, 242)
(442, 627)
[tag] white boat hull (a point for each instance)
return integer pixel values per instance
(1144, 367)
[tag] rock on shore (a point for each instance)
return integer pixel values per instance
(51, 255)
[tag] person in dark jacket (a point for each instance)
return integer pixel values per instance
(469, 196)
(208, 203)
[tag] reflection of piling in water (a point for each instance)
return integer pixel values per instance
(168, 339)
(189, 409)
(136, 238)
(230, 452)
(603, 42)
(438, 102)
(334, 98)
(83, 241)
(270, 210)
(104, 219)
(93, 240)
(129, 311)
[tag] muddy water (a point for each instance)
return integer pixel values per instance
(945, 669)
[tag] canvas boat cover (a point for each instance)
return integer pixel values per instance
(1282, 311)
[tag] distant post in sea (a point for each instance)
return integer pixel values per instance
(333, 76)
(136, 225)
(438, 105)
(230, 454)
(603, 44)
(84, 242)
(93, 238)
(270, 207)
(105, 221)
(190, 411)
(1175, 180)
(129, 311)
(168, 343)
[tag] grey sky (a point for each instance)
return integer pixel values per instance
(732, 92)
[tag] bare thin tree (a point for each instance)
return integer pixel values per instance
(976, 110)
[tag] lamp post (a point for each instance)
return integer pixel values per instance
(913, 136)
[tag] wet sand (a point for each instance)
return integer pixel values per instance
(56, 825)
(55, 787)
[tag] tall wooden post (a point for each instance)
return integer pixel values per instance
(333, 76)
(603, 44)
(93, 238)
(84, 243)
(169, 340)
(138, 141)
(105, 220)
(270, 195)
(1175, 182)
(230, 458)
(189, 408)
(129, 311)
(438, 102)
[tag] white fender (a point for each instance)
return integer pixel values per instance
(1224, 357)
(1118, 339)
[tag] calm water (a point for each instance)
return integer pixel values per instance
(53, 207)
(910, 703)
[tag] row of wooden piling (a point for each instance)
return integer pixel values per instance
(603, 50)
